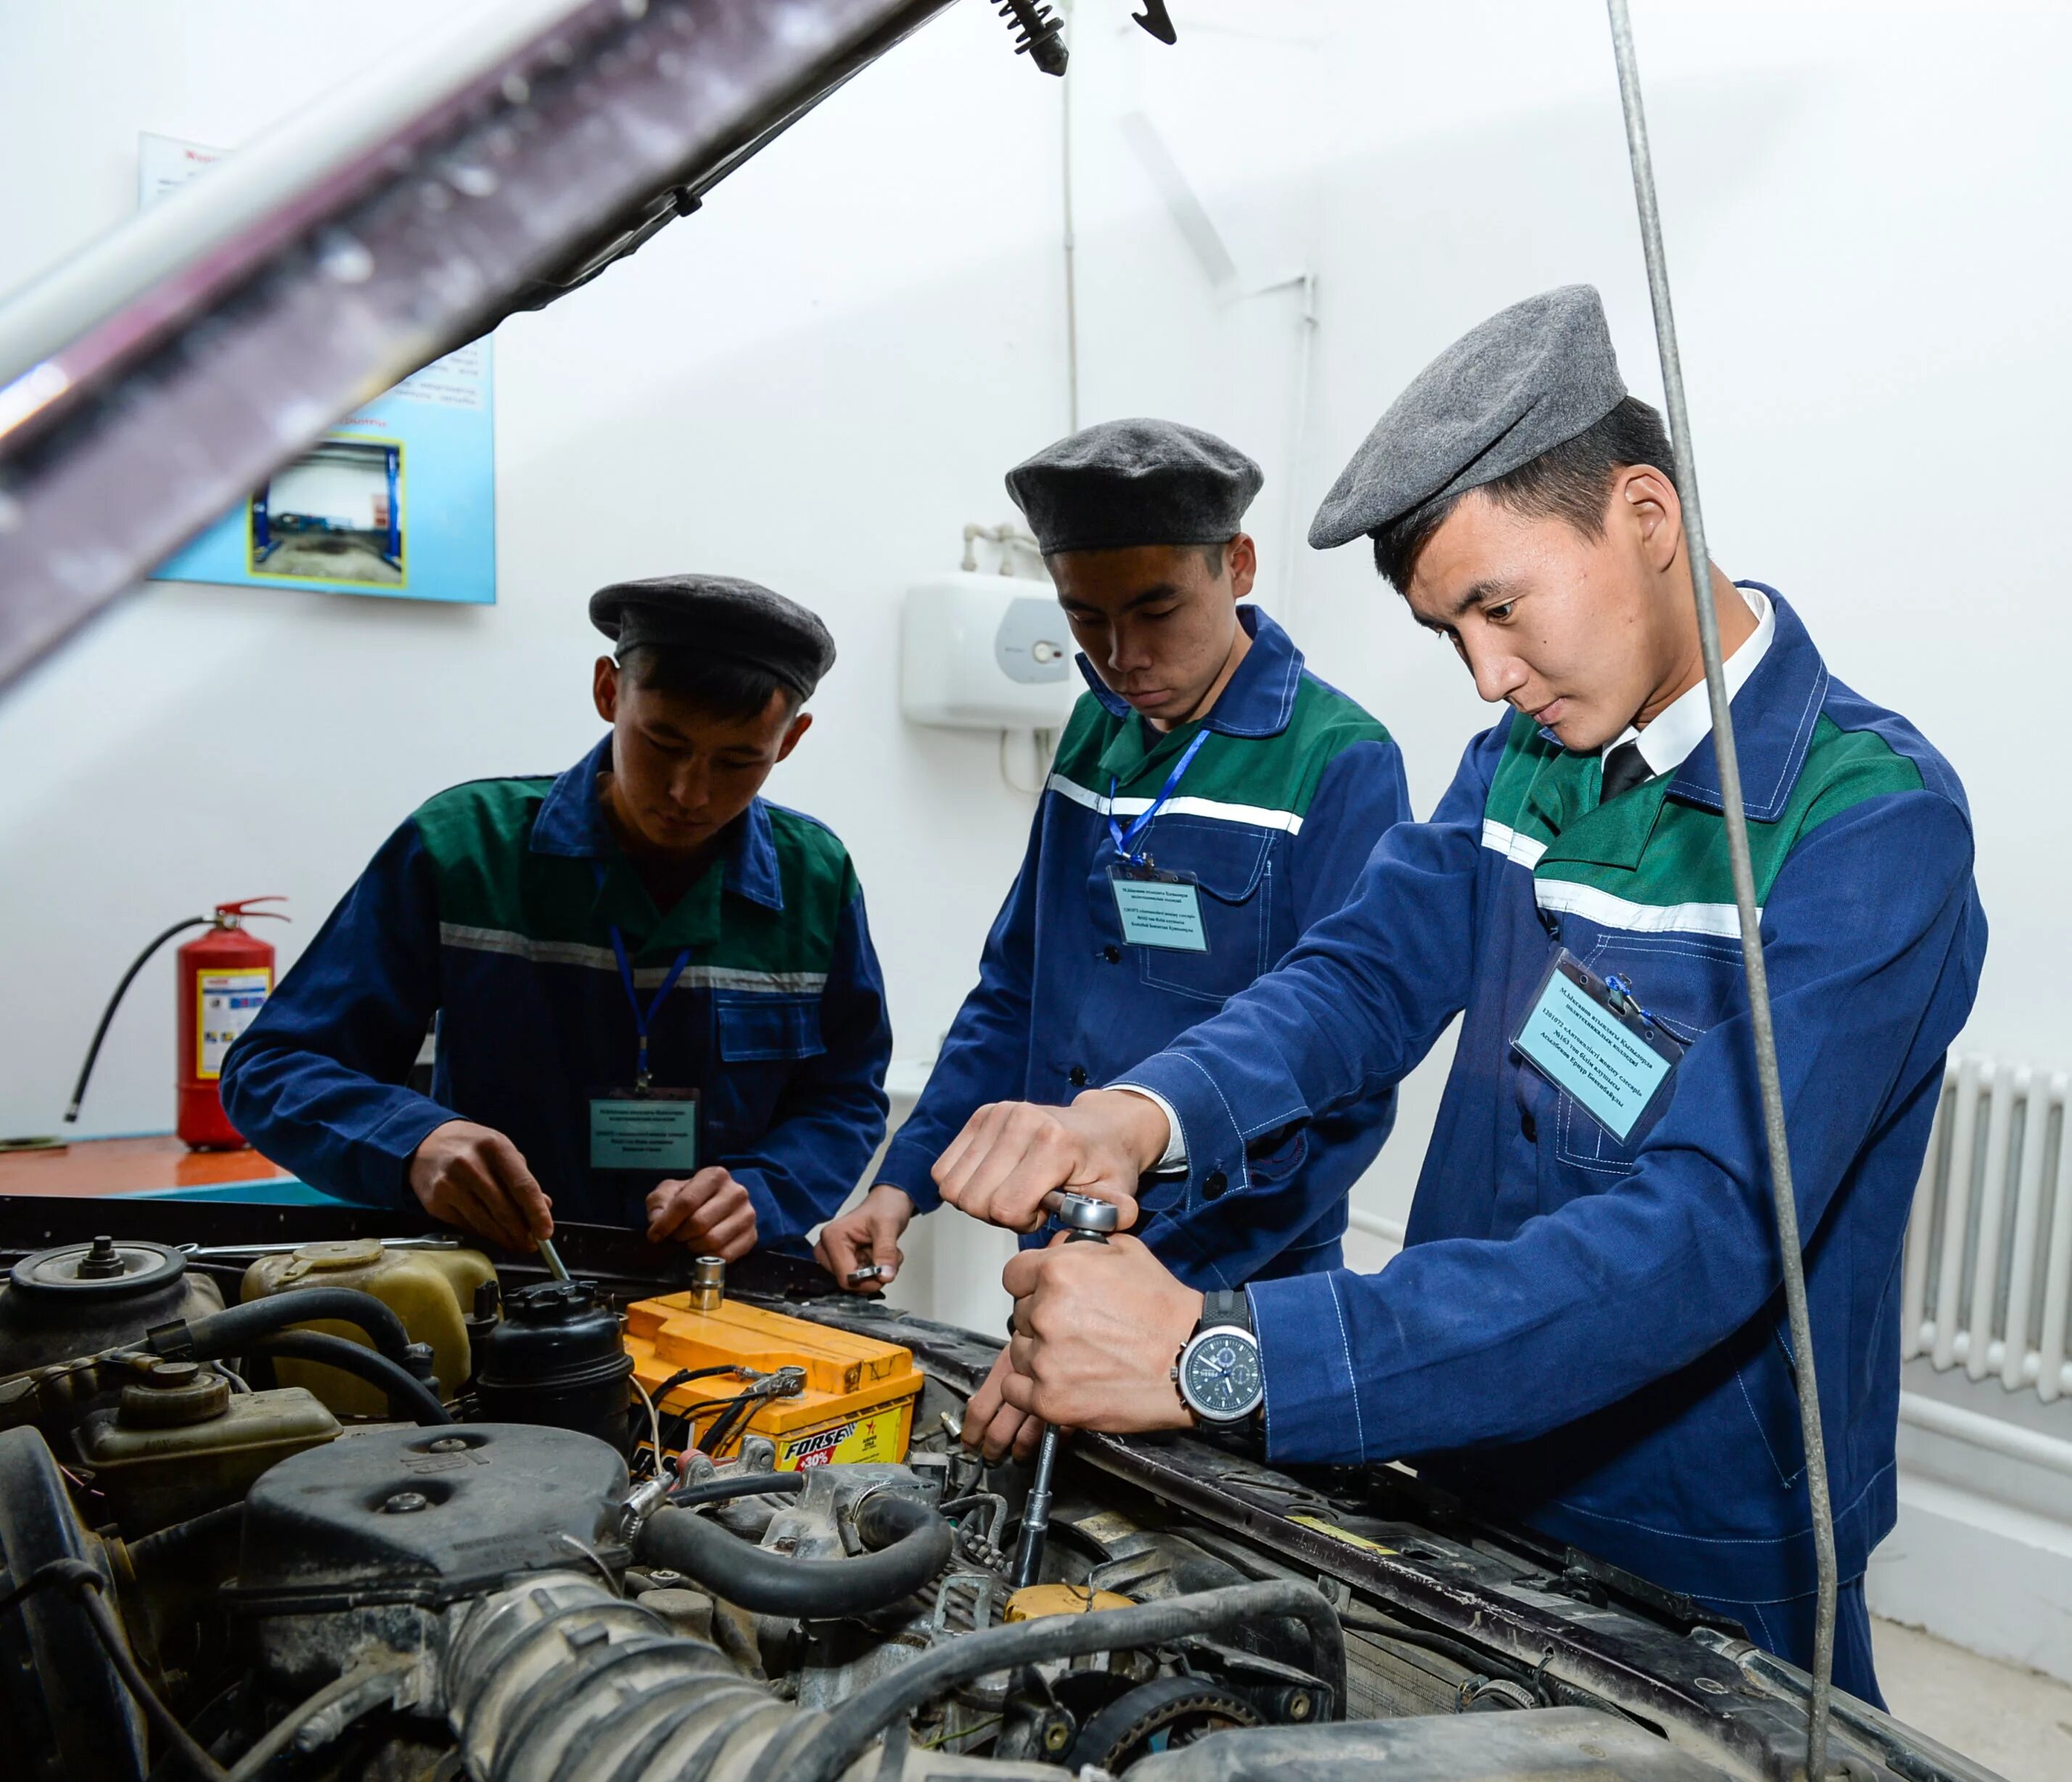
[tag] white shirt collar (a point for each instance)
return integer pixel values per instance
(1687, 721)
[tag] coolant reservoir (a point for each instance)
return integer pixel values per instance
(431, 1290)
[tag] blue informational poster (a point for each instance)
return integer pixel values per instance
(398, 498)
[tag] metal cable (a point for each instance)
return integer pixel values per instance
(1735, 818)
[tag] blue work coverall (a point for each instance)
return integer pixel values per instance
(1274, 819)
(493, 908)
(1587, 1334)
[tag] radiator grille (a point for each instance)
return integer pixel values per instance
(1989, 1267)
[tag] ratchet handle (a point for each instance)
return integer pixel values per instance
(1083, 1215)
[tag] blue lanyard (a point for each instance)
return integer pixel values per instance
(1125, 840)
(643, 1019)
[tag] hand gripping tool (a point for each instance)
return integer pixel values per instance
(1086, 1220)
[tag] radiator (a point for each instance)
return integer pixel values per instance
(1988, 1268)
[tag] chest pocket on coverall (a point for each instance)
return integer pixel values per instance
(1688, 982)
(762, 1040)
(1231, 864)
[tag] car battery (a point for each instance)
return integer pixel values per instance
(856, 1402)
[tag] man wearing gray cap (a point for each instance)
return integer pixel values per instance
(1586, 1329)
(657, 1004)
(1211, 799)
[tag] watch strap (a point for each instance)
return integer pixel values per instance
(1226, 1305)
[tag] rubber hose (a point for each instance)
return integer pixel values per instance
(747, 1484)
(179, 1570)
(408, 1396)
(820, 1751)
(913, 1539)
(235, 1328)
(185, 1545)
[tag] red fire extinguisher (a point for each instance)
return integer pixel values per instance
(224, 977)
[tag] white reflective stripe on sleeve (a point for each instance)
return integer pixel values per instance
(1508, 842)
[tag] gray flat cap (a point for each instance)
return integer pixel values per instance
(721, 615)
(1127, 482)
(1528, 379)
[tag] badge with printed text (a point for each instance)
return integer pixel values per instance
(650, 1130)
(1158, 909)
(1591, 1039)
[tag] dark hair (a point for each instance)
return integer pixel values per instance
(1567, 481)
(725, 686)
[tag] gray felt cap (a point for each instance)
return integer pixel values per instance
(720, 615)
(1127, 482)
(1525, 380)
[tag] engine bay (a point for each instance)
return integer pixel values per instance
(284, 1495)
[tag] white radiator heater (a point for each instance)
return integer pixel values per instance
(1988, 1269)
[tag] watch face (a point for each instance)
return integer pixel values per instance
(1220, 1374)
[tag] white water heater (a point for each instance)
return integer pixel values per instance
(987, 652)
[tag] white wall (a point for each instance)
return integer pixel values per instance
(818, 380)
(323, 488)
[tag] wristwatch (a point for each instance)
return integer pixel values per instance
(1218, 1374)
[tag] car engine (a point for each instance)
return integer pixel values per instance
(258, 1521)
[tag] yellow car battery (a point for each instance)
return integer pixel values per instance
(855, 1403)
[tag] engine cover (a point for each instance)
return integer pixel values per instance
(369, 1540)
(429, 1515)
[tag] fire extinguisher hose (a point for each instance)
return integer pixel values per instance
(115, 1002)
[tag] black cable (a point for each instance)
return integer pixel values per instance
(724, 1427)
(699, 1406)
(40, 1579)
(676, 1425)
(85, 1585)
(114, 1002)
(826, 1748)
(682, 1377)
(747, 1484)
(408, 1396)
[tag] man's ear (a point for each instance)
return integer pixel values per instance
(1648, 499)
(1241, 559)
(604, 688)
(800, 726)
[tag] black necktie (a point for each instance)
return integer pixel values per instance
(1625, 768)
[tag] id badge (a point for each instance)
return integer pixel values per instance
(649, 1130)
(1591, 1039)
(1158, 909)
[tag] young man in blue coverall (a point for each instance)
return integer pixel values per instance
(1211, 799)
(657, 1002)
(1586, 1329)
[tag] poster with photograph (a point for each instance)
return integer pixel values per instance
(398, 498)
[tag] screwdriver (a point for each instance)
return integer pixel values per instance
(1086, 1220)
(552, 1257)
